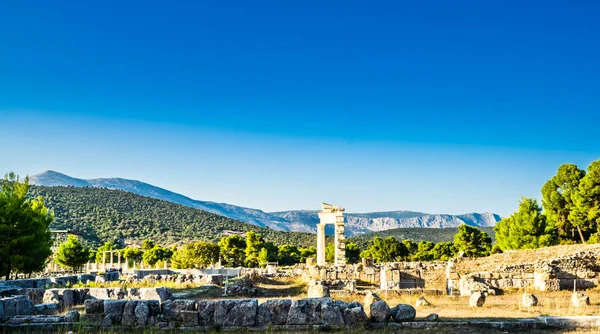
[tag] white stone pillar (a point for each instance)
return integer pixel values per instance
(340, 240)
(321, 244)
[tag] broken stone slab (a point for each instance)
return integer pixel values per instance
(236, 312)
(51, 297)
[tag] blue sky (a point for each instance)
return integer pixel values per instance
(431, 106)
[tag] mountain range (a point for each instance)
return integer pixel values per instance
(293, 220)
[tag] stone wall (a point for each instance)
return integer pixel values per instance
(240, 313)
(562, 273)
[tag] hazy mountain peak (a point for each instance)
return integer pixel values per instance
(292, 220)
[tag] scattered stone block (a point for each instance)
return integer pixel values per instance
(331, 315)
(422, 302)
(380, 311)
(273, 311)
(477, 299)
(403, 312)
(317, 289)
(529, 300)
(578, 299)
(128, 318)
(354, 315)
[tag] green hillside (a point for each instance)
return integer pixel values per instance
(416, 234)
(102, 214)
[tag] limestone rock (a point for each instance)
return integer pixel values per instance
(370, 298)
(236, 312)
(68, 298)
(51, 296)
(107, 321)
(189, 318)
(529, 300)
(71, 316)
(114, 310)
(354, 315)
(317, 289)
(145, 312)
(274, 312)
(91, 319)
(305, 311)
(579, 299)
(172, 308)
(403, 312)
(128, 318)
(380, 311)
(422, 302)
(94, 306)
(17, 305)
(331, 315)
(432, 317)
(477, 299)
(206, 312)
(161, 294)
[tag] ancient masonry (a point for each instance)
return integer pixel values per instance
(331, 215)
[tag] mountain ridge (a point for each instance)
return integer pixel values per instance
(291, 220)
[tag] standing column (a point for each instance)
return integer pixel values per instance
(321, 244)
(340, 241)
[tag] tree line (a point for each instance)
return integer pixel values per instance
(569, 212)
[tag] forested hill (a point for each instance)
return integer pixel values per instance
(416, 234)
(103, 214)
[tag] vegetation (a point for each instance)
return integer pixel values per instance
(25, 240)
(571, 202)
(525, 229)
(196, 255)
(72, 253)
(103, 215)
(415, 234)
(472, 241)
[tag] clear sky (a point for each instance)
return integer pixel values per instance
(434, 106)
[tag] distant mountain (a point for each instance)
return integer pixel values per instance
(294, 220)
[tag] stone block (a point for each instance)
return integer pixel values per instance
(161, 294)
(206, 312)
(51, 296)
(189, 318)
(94, 306)
(68, 298)
(306, 311)
(331, 315)
(380, 311)
(171, 309)
(91, 319)
(99, 293)
(236, 312)
(354, 315)
(128, 318)
(114, 310)
(274, 312)
(403, 312)
(146, 312)
(17, 305)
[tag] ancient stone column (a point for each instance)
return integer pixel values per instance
(321, 244)
(340, 240)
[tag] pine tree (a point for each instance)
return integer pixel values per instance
(72, 253)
